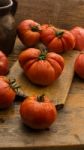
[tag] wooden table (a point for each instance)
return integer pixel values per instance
(69, 131)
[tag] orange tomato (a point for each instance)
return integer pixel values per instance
(29, 32)
(38, 112)
(57, 40)
(41, 68)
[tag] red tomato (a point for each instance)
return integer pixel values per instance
(41, 68)
(7, 94)
(29, 32)
(79, 65)
(4, 64)
(78, 33)
(57, 40)
(38, 112)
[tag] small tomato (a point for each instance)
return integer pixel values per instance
(57, 40)
(38, 112)
(28, 32)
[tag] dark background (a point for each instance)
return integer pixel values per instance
(62, 13)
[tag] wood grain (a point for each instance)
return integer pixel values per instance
(62, 13)
(67, 133)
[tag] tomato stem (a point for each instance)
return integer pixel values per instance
(42, 57)
(59, 34)
(40, 98)
(35, 29)
(43, 54)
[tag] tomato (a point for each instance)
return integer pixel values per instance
(29, 32)
(79, 65)
(38, 112)
(4, 64)
(57, 40)
(41, 68)
(78, 33)
(47, 33)
(7, 94)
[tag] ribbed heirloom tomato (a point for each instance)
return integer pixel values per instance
(78, 33)
(4, 64)
(41, 68)
(7, 94)
(38, 112)
(79, 65)
(28, 32)
(57, 40)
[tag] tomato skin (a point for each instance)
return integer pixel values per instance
(4, 64)
(47, 33)
(38, 115)
(79, 65)
(41, 71)
(78, 33)
(7, 94)
(57, 40)
(29, 32)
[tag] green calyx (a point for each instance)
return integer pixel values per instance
(35, 29)
(42, 57)
(43, 54)
(59, 34)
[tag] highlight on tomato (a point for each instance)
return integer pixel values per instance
(38, 112)
(40, 67)
(29, 32)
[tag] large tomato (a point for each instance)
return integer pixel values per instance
(28, 32)
(78, 33)
(41, 68)
(7, 94)
(79, 65)
(57, 40)
(4, 64)
(38, 112)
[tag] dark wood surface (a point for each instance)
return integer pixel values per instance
(68, 132)
(62, 13)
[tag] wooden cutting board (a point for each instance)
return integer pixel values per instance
(58, 91)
